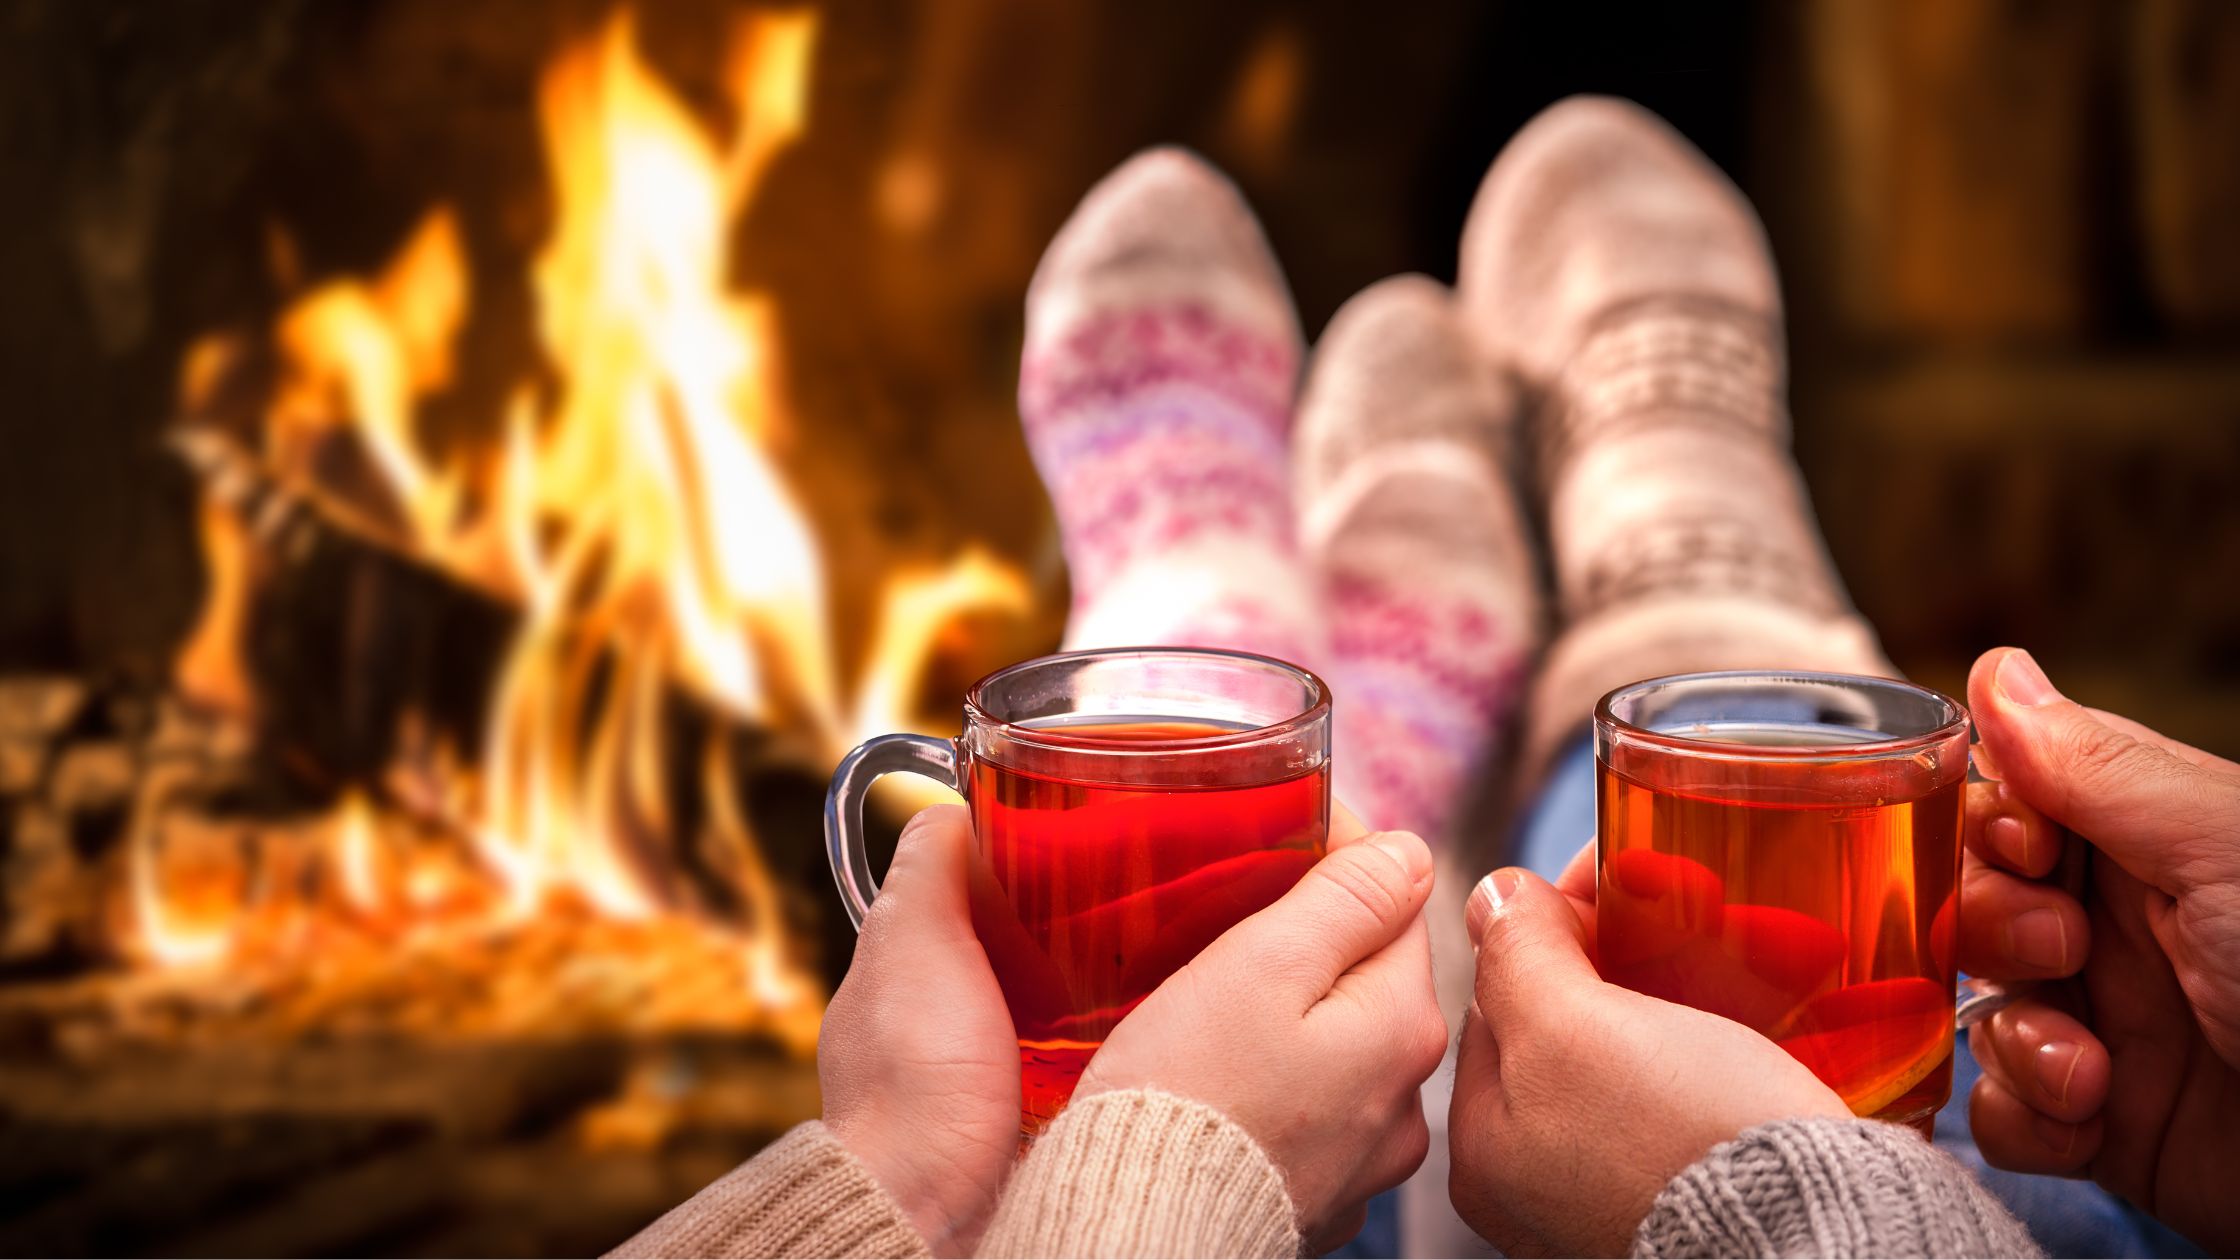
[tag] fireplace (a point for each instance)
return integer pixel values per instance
(449, 879)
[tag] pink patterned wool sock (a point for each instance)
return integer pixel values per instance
(1156, 390)
(1411, 519)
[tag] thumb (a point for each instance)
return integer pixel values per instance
(1354, 902)
(923, 899)
(1530, 944)
(2152, 811)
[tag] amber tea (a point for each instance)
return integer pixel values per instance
(1128, 805)
(1094, 892)
(1797, 875)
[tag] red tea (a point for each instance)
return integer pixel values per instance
(1811, 899)
(1089, 893)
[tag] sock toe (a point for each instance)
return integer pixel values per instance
(1155, 394)
(1164, 228)
(1397, 365)
(1595, 205)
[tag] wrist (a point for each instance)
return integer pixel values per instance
(947, 1221)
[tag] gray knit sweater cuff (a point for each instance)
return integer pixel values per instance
(805, 1195)
(1825, 1187)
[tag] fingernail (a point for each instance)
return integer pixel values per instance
(2010, 838)
(1408, 851)
(2059, 1138)
(1486, 899)
(2039, 938)
(2021, 681)
(1504, 882)
(2057, 1066)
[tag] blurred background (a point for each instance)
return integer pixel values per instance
(469, 470)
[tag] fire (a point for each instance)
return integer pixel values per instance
(209, 669)
(186, 917)
(376, 349)
(357, 852)
(632, 511)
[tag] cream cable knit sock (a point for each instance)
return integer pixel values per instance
(1619, 273)
(1143, 1173)
(1824, 1187)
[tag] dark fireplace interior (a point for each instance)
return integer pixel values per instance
(422, 652)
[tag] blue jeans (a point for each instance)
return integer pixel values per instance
(2068, 1218)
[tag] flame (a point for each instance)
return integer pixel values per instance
(181, 922)
(916, 608)
(209, 668)
(632, 510)
(356, 853)
(360, 356)
(647, 514)
(769, 83)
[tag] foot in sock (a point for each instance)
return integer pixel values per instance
(1156, 388)
(1411, 520)
(1628, 283)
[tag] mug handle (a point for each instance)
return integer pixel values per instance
(1981, 999)
(872, 760)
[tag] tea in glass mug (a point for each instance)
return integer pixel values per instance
(1783, 849)
(1128, 807)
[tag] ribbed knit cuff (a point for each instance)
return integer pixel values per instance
(1828, 1187)
(804, 1195)
(1143, 1173)
(1683, 634)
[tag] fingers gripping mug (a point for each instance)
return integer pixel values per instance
(1128, 806)
(1783, 849)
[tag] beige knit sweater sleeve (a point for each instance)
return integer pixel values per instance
(1143, 1173)
(1127, 1173)
(804, 1195)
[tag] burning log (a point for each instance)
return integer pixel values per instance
(573, 645)
(366, 1084)
(368, 664)
(341, 633)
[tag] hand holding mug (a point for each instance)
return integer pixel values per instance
(1129, 805)
(2143, 1093)
(1575, 1100)
(1784, 849)
(925, 1093)
(1311, 1024)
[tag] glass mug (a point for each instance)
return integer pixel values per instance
(1783, 849)
(1128, 806)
